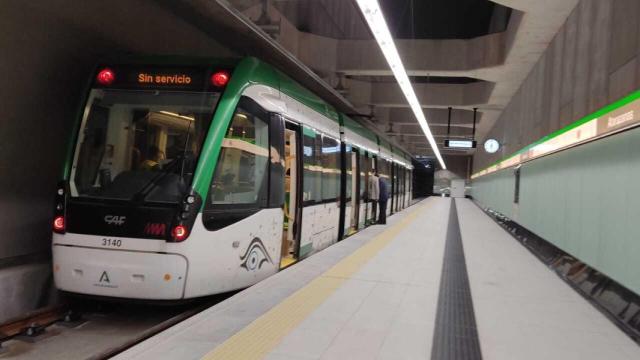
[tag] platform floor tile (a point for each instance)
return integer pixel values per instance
(523, 310)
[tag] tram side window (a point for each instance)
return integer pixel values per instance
(364, 176)
(277, 166)
(370, 168)
(240, 177)
(330, 168)
(393, 180)
(349, 169)
(319, 184)
(516, 193)
(396, 179)
(93, 148)
(399, 179)
(384, 172)
(404, 183)
(312, 171)
(405, 176)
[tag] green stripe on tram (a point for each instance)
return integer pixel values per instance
(248, 72)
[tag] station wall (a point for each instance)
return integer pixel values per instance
(49, 50)
(593, 60)
(583, 199)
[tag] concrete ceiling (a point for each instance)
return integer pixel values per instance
(407, 19)
(350, 61)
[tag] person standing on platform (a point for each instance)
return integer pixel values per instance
(374, 193)
(383, 196)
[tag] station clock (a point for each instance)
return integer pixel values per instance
(491, 146)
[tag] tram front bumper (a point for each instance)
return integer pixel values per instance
(119, 273)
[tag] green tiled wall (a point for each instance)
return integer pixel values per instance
(585, 200)
(495, 191)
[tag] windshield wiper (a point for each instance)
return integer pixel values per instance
(155, 181)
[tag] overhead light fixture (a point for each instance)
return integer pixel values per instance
(390, 129)
(373, 14)
(177, 115)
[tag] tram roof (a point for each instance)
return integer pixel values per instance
(358, 128)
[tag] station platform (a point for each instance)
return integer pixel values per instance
(440, 281)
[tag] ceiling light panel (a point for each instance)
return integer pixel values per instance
(373, 14)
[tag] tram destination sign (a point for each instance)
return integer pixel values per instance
(194, 78)
(459, 144)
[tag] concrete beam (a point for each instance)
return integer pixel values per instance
(389, 94)
(504, 58)
(403, 123)
(433, 115)
(363, 57)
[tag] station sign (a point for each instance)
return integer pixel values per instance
(459, 144)
(622, 115)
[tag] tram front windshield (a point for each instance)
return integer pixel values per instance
(140, 145)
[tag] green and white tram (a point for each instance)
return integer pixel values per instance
(204, 177)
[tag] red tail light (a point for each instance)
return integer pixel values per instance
(179, 233)
(106, 77)
(58, 224)
(220, 79)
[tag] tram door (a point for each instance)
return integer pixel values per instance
(365, 173)
(392, 187)
(362, 189)
(292, 187)
(354, 184)
(371, 168)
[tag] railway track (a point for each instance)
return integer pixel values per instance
(89, 329)
(33, 324)
(150, 332)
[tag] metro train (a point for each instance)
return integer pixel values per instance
(202, 177)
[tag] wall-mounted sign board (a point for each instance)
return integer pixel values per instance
(616, 117)
(459, 144)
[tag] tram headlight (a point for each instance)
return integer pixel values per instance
(179, 232)
(220, 78)
(185, 217)
(106, 77)
(59, 218)
(58, 224)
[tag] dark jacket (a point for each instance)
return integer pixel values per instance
(384, 190)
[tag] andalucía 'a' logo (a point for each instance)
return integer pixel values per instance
(104, 277)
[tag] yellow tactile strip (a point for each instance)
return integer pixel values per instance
(258, 338)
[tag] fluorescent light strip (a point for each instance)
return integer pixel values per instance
(177, 115)
(373, 14)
